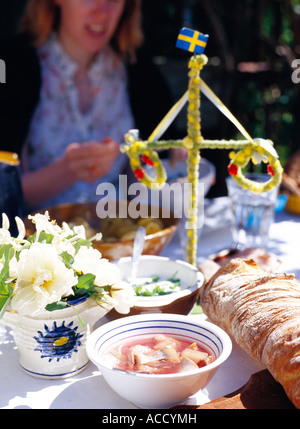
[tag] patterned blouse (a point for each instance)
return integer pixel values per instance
(58, 120)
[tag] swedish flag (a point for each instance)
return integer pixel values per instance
(192, 41)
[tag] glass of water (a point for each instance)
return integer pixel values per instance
(252, 213)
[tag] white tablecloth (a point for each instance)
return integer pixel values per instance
(88, 390)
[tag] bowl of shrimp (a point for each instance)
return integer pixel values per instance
(117, 226)
(158, 360)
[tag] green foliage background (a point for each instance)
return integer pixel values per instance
(251, 49)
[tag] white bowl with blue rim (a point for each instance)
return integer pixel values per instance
(158, 390)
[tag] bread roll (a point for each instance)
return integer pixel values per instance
(261, 312)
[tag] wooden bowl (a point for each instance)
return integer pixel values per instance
(86, 213)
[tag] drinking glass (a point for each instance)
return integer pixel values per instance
(252, 213)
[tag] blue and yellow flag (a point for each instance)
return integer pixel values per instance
(192, 41)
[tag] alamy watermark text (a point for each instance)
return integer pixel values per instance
(142, 202)
(296, 72)
(2, 71)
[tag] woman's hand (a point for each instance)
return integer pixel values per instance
(87, 161)
(91, 160)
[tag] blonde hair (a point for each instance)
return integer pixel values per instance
(41, 17)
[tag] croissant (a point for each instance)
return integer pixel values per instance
(261, 312)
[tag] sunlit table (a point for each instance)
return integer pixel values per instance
(88, 390)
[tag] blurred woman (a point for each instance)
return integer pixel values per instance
(76, 83)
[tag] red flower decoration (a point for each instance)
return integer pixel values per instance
(233, 170)
(147, 160)
(139, 173)
(270, 170)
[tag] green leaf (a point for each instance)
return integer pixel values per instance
(6, 253)
(32, 238)
(59, 305)
(81, 322)
(45, 237)
(6, 292)
(141, 292)
(173, 280)
(86, 283)
(82, 242)
(67, 259)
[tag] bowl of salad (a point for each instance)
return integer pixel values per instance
(162, 285)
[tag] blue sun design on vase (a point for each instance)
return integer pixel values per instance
(59, 342)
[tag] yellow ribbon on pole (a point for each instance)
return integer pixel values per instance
(169, 118)
(175, 110)
(221, 106)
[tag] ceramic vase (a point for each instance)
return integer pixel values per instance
(52, 344)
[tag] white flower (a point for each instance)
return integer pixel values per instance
(97, 237)
(42, 223)
(267, 147)
(5, 222)
(64, 237)
(13, 268)
(88, 260)
(62, 245)
(21, 229)
(42, 278)
(123, 297)
(79, 231)
(5, 237)
(40, 273)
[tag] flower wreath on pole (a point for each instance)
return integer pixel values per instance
(244, 151)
